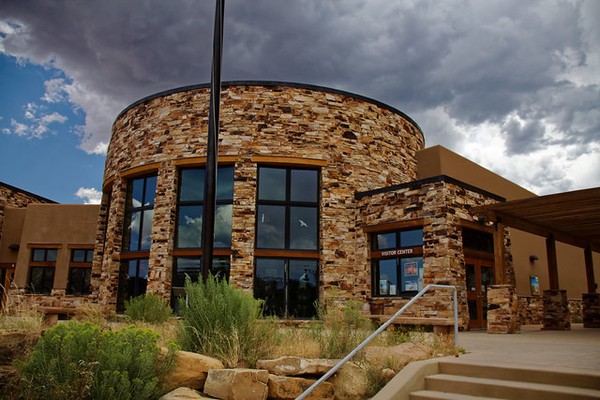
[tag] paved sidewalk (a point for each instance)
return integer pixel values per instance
(578, 348)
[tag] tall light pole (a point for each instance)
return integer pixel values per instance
(210, 181)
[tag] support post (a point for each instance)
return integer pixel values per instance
(552, 262)
(499, 254)
(589, 269)
(210, 182)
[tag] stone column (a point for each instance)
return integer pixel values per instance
(556, 310)
(591, 310)
(503, 309)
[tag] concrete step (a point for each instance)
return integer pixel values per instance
(580, 379)
(435, 395)
(506, 389)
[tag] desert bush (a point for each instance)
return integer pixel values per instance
(78, 361)
(148, 308)
(221, 321)
(339, 331)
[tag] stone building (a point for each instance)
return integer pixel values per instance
(322, 195)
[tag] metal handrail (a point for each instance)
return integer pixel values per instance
(381, 329)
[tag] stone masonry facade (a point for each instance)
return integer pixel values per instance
(442, 206)
(358, 145)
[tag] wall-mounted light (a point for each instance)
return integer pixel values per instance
(533, 258)
(14, 247)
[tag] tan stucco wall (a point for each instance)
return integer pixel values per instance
(571, 264)
(438, 160)
(65, 226)
(14, 218)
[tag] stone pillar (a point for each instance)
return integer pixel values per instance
(591, 310)
(556, 310)
(503, 309)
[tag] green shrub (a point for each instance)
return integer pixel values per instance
(148, 308)
(78, 361)
(224, 322)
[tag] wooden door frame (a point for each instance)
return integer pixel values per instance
(478, 262)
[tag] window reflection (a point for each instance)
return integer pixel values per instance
(139, 214)
(191, 207)
(287, 209)
(271, 227)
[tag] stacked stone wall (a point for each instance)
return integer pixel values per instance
(358, 144)
(441, 205)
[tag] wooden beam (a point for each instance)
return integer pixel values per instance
(499, 254)
(540, 230)
(589, 270)
(552, 262)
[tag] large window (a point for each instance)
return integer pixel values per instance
(191, 267)
(133, 280)
(288, 286)
(397, 262)
(137, 238)
(41, 270)
(287, 209)
(190, 208)
(80, 271)
(139, 214)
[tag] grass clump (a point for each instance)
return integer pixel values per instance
(221, 321)
(78, 361)
(340, 330)
(148, 308)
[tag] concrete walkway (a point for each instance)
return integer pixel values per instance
(578, 348)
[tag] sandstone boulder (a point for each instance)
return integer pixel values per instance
(296, 366)
(237, 384)
(350, 382)
(191, 370)
(284, 388)
(183, 393)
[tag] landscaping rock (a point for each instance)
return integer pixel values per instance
(350, 382)
(398, 356)
(283, 388)
(191, 370)
(237, 384)
(183, 393)
(296, 366)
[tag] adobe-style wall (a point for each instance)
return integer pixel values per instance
(442, 204)
(358, 143)
(60, 226)
(11, 196)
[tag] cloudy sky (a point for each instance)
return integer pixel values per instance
(513, 85)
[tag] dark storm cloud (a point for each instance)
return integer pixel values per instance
(477, 61)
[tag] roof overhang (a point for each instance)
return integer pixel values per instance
(570, 217)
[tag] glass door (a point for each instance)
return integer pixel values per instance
(479, 275)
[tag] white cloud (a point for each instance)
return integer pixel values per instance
(37, 123)
(89, 195)
(55, 91)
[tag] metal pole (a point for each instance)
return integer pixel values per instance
(210, 181)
